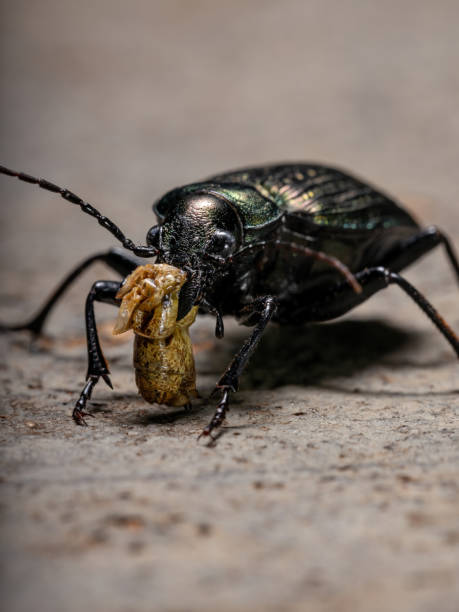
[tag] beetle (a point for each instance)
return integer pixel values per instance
(292, 243)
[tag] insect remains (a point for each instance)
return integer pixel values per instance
(293, 243)
(163, 356)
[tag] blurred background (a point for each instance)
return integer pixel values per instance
(121, 101)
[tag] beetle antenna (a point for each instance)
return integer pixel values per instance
(319, 255)
(140, 251)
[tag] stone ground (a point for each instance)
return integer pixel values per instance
(335, 483)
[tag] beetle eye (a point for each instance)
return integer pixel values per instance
(222, 244)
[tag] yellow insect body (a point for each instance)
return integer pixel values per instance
(163, 356)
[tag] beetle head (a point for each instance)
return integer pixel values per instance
(198, 231)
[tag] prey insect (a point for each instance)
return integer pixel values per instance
(291, 243)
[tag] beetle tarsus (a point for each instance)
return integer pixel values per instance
(79, 411)
(219, 416)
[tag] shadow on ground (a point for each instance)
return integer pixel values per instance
(300, 356)
(308, 355)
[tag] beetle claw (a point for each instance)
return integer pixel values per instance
(78, 416)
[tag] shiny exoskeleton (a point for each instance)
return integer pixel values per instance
(292, 243)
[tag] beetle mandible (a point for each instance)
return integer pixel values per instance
(292, 243)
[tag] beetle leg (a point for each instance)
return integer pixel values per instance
(426, 307)
(114, 258)
(451, 253)
(101, 291)
(265, 307)
(420, 244)
(340, 299)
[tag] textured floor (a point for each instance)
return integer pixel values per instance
(335, 483)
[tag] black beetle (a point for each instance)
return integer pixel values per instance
(291, 243)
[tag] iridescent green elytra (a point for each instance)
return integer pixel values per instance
(321, 195)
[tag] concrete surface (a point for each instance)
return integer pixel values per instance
(335, 484)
